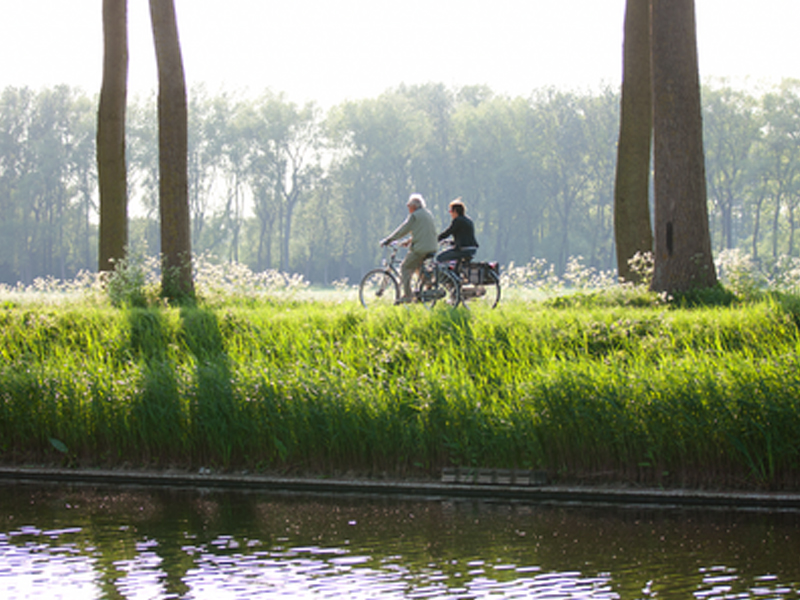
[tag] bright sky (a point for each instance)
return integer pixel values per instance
(333, 50)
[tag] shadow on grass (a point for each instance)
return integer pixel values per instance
(216, 425)
(172, 419)
(157, 418)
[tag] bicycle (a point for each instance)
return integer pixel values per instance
(432, 284)
(479, 282)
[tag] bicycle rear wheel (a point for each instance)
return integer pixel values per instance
(378, 288)
(486, 294)
(441, 288)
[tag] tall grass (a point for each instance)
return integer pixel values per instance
(706, 397)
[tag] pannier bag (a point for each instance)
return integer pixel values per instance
(483, 272)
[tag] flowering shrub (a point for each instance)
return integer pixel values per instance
(50, 290)
(224, 281)
(133, 282)
(136, 282)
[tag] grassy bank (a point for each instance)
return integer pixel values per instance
(706, 397)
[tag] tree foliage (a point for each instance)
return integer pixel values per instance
(536, 173)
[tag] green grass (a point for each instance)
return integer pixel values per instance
(651, 395)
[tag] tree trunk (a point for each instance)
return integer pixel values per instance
(176, 248)
(757, 224)
(290, 200)
(111, 169)
(776, 224)
(632, 228)
(727, 218)
(683, 258)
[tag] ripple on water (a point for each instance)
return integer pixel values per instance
(441, 555)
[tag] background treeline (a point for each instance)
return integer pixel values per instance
(275, 185)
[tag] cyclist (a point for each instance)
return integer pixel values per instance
(420, 225)
(463, 232)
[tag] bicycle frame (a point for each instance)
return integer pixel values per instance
(389, 263)
(434, 282)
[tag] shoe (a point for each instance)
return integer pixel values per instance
(403, 300)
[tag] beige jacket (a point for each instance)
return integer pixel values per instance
(422, 229)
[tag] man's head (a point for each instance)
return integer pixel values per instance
(415, 202)
(457, 208)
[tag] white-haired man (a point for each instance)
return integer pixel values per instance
(423, 242)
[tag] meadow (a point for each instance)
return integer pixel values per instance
(588, 380)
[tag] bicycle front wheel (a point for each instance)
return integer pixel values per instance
(378, 288)
(487, 294)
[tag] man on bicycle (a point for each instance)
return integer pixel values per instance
(420, 225)
(463, 232)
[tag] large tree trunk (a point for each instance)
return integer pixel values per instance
(111, 169)
(176, 248)
(632, 226)
(683, 259)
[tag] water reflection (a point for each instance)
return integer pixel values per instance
(88, 542)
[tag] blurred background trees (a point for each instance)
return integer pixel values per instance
(273, 184)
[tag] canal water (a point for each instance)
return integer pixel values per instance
(142, 543)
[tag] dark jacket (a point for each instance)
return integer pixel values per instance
(463, 232)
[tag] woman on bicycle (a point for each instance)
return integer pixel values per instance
(463, 232)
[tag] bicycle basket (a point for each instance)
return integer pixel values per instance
(480, 273)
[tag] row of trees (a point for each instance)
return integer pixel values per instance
(277, 185)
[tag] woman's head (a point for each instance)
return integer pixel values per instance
(457, 208)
